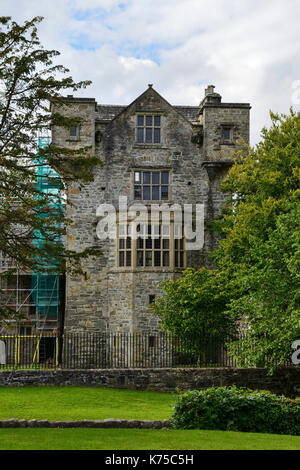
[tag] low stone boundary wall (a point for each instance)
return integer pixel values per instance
(106, 423)
(285, 381)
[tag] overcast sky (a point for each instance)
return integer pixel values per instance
(248, 49)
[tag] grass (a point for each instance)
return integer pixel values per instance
(138, 439)
(78, 403)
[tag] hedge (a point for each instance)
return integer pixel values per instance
(236, 409)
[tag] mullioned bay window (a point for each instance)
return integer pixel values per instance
(153, 246)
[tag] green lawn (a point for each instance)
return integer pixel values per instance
(78, 403)
(138, 439)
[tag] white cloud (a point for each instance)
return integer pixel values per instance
(249, 49)
(93, 4)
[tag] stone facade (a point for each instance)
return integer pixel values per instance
(195, 148)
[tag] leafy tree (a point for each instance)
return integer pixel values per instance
(261, 246)
(30, 84)
(258, 257)
(193, 309)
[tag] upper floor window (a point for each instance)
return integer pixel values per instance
(74, 132)
(227, 134)
(148, 129)
(151, 185)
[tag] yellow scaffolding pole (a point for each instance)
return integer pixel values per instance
(17, 350)
(36, 355)
(37, 351)
(56, 352)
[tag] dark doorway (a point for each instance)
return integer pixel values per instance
(47, 349)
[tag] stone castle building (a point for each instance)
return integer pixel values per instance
(152, 153)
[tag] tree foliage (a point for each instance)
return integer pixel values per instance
(258, 256)
(30, 84)
(261, 246)
(192, 308)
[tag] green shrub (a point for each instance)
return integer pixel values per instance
(237, 409)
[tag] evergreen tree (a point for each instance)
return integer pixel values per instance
(30, 85)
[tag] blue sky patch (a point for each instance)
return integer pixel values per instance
(95, 14)
(147, 51)
(82, 42)
(152, 52)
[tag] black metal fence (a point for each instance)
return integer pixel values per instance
(103, 351)
(29, 351)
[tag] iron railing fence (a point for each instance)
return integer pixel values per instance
(141, 351)
(29, 351)
(105, 351)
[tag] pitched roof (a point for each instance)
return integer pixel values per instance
(189, 112)
(107, 112)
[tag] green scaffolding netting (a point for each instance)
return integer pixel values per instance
(45, 286)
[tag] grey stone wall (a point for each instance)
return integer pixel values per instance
(285, 381)
(86, 423)
(109, 298)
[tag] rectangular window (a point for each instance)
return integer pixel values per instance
(152, 251)
(151, 185)
(152, 247)
(125, 246)
(227, 134)
(179, 253)
(148, 129)
(74, 132)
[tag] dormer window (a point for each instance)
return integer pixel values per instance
(148, 129)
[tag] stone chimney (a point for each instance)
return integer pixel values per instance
(211, 97)
(210, 90)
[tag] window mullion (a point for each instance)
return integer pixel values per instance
(134, 251)
(172, 248)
